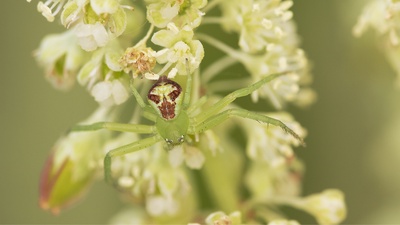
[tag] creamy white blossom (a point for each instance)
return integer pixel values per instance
(383, 17)
(220, 218)
(292, 87)
(272, 144)
(265, 181)
(283, 222)
(149, 174)
(91, 36)
(328, 207)
(180, 12)
(192, 156)
(111, 92)
(179, 49)
(95, 21)
(139, 60)
(61, 58)
(258, 22)
(50, 8)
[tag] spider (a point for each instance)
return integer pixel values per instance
(175, 118)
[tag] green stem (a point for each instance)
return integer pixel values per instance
(216, 67)
(211, 20)
(222, 180)
(221, 46)
(211, 5)
(292, 201)
(146, 37)
(227, 85)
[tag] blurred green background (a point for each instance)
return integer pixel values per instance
(354, 127)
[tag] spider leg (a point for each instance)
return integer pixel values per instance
(243, 113)
(199, 103)
(129, 148)
(188, 91)
(147, 113)
(218, 106)
(135, 93)
(122, 127)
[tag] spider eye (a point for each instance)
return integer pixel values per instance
(169, 142)
(181, 139)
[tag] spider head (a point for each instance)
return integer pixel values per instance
(173, 131)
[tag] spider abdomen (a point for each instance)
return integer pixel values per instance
(165, 96)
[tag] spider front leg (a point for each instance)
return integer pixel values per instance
(129, 148)
(218, 106)
(121, 127)
(147, 113)
(221, 117)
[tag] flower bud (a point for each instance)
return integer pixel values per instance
(72, 167)
(327, 207)
(220, 218)
(283, 222)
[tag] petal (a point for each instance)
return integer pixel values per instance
(119, 92)
(104, 6)
(100, 34)
(118, 21)
(102, 91)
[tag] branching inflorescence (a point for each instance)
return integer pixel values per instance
(181, 124)
(383, 17)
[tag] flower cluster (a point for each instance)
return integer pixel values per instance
(104, 50)
(383, 17)
(268, 44)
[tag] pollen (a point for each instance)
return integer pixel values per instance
(139, 61)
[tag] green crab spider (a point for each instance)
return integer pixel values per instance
(175, 118)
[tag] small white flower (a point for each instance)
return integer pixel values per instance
(161, 205)
(272, 144)
(61, 58)
(265, 181)
(110, 92)
(140, 60)
(179, 49)
(95, 21)
(258, 22)
(284, 88)
(132, 215)
(47, 8)
(91, 36)
(180, 12)
(327, 207)
(283, 222)
(148, 174)
(73, 11)
(379, 15)
(105, 6)
(192, 156)
(277, 58)
(220, 218)
(383, 17)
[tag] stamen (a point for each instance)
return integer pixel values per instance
(47, 8)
